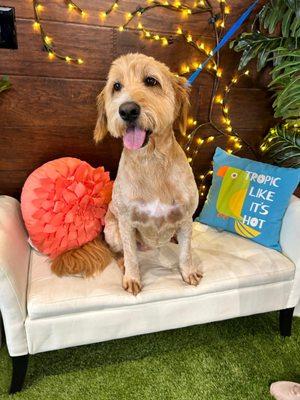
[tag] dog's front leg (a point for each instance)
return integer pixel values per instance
(190, 273)
(131, 278)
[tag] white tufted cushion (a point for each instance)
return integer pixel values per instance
(228, 262)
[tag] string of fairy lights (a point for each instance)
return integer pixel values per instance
(193, 140)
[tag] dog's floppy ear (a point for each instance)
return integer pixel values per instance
(182, 105)
(101, 125)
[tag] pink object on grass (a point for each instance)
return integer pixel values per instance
(63, 204)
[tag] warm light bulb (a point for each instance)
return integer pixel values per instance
(225, 109)
(189, 38)
(210, 139)
(164, 41)
(138, 13)
(185, 69)
(71, 6)
(190, 120)
(229, 151)
(190, 159)
(128, 15)
(80, 61)
(68, 59)
(219, 72)
(115, 6)
(195, 123)
(156, 37)
(222, 24)
(48, 40)
(229, 129)
(186, 12)
(140, 25)
(219, 99)
(202, 3)
(84, 14)
(247, 72)
(227, 10)
(36, 26)
(177, 4)
(179, 31)
(51, 55)
(39, 7)
(210, 172)
(199, 142)
(234, 79)
(103, 14)
(201, 177)
(121, 28)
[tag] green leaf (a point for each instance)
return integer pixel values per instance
(4, 83)
(282, 146)
(295, 25)
(286, 22)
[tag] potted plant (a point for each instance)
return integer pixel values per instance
(274, 41)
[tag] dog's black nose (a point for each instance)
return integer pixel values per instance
(129, 111)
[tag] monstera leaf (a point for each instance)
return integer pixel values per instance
(286, 85)
(285, 12)
(282, 146)
(4, 83)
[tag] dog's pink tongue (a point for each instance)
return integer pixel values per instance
(134, 138)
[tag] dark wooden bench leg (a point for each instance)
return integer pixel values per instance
(285, 321)
(20, 364)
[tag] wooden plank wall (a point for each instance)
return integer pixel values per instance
(50, 111)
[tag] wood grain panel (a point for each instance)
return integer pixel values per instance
(50, 111)
(99, 46)
(48, 102)
(93, 44)
(55, 10)
(39, 101)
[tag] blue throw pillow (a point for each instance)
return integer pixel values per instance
(249, 197)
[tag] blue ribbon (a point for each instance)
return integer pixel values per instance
(223, 41)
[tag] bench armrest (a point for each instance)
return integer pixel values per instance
(14, 265)
(290, 243)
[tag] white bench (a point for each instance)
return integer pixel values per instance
(42, 312)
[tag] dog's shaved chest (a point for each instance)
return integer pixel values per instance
(156, 209)
(155, 212)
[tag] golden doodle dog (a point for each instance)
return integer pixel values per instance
(155, 194)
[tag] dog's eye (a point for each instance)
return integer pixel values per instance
(117, 86)
(150, 81)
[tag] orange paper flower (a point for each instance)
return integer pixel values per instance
(64, 203)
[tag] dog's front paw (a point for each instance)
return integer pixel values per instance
(131, 285)
(192, 276)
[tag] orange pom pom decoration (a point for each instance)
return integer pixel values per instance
(63, 204)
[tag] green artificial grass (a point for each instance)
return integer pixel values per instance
(236, 359)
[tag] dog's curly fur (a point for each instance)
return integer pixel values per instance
(155, 194)
(86, 261)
